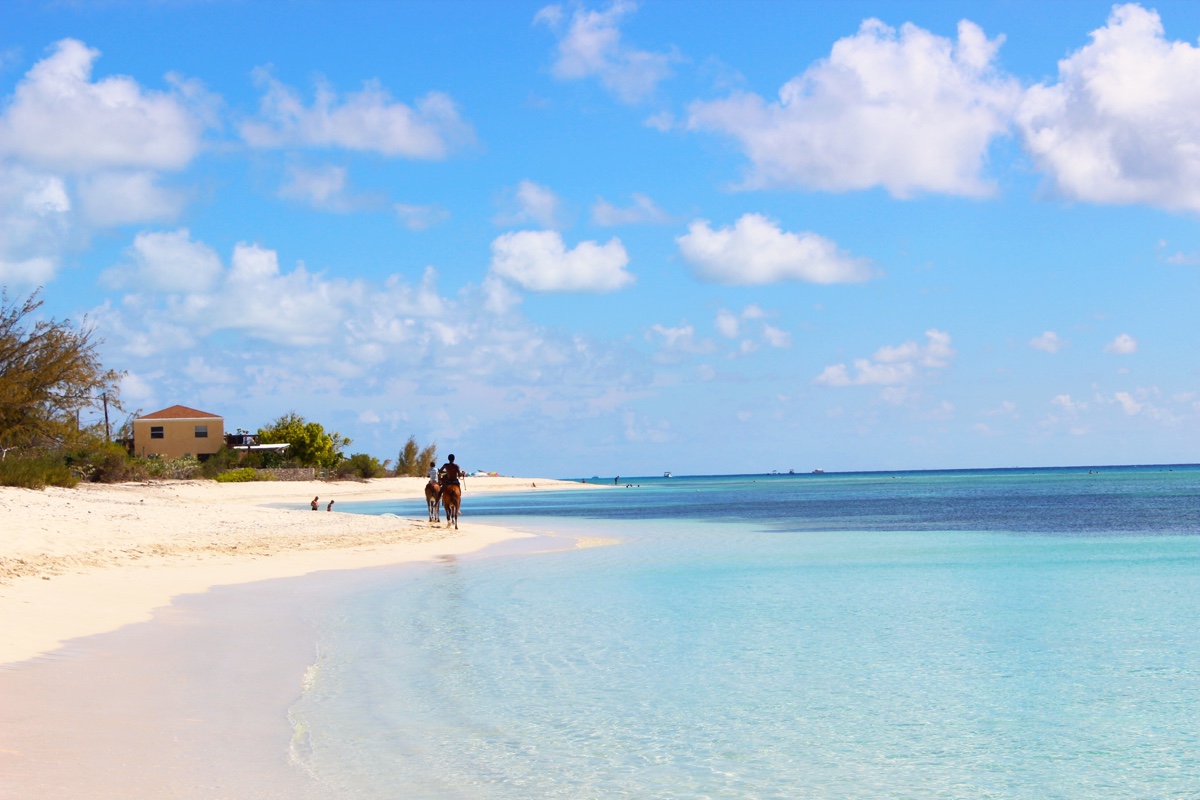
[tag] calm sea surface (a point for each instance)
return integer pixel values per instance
(985, 634)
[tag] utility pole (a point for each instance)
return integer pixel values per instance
(107, 434)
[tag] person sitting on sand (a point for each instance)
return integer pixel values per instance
(450, 473)
(330, 506)
(313, 504)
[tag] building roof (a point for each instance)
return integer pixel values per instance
(180, 412)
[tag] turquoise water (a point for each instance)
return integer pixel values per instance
(1011, 634)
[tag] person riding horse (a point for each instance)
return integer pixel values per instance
(433, 493)
(451, 475)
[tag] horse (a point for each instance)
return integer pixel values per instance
(451, 499)
(431, 500)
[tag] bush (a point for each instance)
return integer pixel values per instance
(176, 468)
(224, 460)
(36, 472)
(105, 462)
(242, 475)
(360, 465)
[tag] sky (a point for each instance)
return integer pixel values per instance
(624, 238)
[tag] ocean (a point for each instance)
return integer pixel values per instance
(966, 634)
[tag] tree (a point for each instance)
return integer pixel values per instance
(310, 444)
(428, 456)
(406, 462)
(49, 373)
(413, 459)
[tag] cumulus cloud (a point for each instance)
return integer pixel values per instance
(531, 203)
(590, 46)
(168, 261)
(34, 222)
(893, 366)
(59, 118)
(1127, 403)
(1048, 342)
(368, 120)
(1122, 345)
(911, 112)
(1122, 124)
(643, 210)
(748, 322)
(539, 261)
(122, 198)
(756, 251)
(322, 187)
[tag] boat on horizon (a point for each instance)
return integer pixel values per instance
(666, 475)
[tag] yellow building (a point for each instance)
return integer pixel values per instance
(178, 431)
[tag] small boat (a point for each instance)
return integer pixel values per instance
(818, 472)
(666, 474)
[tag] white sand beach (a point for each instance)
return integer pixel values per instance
(76, 562)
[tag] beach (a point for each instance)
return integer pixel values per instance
(81, 561)
(155, 634)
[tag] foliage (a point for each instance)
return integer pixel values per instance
(223, 460)
(413, 459)
(175, 468)
(310, 446)
(98, 461)
(243, 475)
(35, 471)
(360, 465)
(428, 456)
(49, 372)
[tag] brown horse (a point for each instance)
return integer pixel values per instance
(431, 500)
(451, 499)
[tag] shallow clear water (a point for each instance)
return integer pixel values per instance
(929, 635)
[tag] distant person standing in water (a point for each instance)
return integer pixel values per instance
(313, 504)
(330, 506)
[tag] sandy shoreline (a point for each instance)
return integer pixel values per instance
(76, 562)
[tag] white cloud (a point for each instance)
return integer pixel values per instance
(531, 203)
(35, 217)
(893, 366)
(643, 210)
(540, 262)
(677, 338)
(59, 118)
(913, 113)
(776, 337)
(755, 251)
(1122, 125)
(122, 198)
(1127, 403)
(731, 326)
(728, 323)
(321, 187)
(368, 120)
(1048, 342)
(419, 218)
(1065, 402)
(1122, 345)
(591, 47)
(166, 262)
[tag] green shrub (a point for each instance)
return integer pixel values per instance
(105, 462)
(224, 460)
(360, 465)
(36, 472)
(180, 468)
(242, 475)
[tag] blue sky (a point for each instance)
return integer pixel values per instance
(576, 239)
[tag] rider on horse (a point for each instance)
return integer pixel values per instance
(450, 472)
(433, 477)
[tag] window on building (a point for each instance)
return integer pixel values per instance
(156, 431)
(201, 431)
